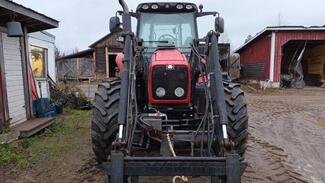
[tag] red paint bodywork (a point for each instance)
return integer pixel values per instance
(119, 62)
(165, 58)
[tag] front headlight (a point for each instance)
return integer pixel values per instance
(179, 92)
(160, 92)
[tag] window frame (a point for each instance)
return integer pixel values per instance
(45, 61)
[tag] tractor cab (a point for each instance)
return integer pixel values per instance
(167, 25)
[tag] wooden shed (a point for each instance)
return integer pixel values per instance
(15, 68)
(77, 66)
(105, 51)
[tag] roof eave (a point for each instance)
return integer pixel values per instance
(48, 22)
(283, 28)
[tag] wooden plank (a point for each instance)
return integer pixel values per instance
(33, 126)
(4, 88)
(16, 99)
(78, 68)
(3, 98)
(13, 67)
(26, 74)
(107, 62)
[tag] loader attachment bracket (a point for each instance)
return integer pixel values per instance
(119, 168)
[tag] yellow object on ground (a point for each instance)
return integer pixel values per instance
(316, 65)
(171, 148)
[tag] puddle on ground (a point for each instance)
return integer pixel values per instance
(321, 122)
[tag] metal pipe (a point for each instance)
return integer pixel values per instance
(224, 132)
(124, 6)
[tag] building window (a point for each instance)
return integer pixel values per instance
(38, 61)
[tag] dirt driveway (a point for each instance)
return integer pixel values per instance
(287, 136)
(286, 144)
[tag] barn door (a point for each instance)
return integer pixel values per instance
(100, 62)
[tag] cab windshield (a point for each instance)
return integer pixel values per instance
(158, 28)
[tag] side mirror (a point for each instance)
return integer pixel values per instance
(219, 25)
(114, 24)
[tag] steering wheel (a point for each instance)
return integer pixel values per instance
(167, 37)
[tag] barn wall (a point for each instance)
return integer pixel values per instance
(283, 37)
(109, 44)
(100, 60)
(255, 59)
(76, 68)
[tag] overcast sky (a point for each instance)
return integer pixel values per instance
(82, 22)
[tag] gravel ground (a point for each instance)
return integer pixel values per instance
(286, 144)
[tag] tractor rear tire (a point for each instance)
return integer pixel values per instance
(237, 116)
(104, 126)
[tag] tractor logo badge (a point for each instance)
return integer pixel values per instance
(170, 67)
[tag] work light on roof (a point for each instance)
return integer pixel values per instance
(189, 7)
(154, 6)
(179, 6)
(145, 7)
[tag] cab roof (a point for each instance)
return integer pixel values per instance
(167, 7)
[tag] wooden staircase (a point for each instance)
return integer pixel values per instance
(33, 126)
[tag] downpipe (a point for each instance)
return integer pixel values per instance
(216, 84)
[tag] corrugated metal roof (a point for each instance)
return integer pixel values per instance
(83, 53)
(280, 28)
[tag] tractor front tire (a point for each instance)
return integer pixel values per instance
(104, 126)
(237, 117)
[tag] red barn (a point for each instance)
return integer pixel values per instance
(266, 57)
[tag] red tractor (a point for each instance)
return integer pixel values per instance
(173, 112)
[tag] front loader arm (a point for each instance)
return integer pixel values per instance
(216, 86)
(125, 75)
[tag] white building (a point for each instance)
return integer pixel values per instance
(41, 46)
(15, 61)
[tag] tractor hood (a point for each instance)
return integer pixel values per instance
(169, 71)
(168, 55)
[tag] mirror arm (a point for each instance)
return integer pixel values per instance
(135, 15)
(202, 14)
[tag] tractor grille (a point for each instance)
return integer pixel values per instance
(169, 80)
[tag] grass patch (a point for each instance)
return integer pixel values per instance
(52, 142)
(11, 155)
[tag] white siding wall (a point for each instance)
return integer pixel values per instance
(14, 79)
(47, 41)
